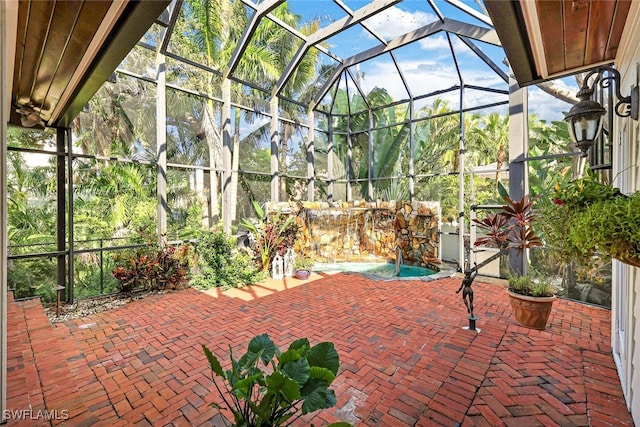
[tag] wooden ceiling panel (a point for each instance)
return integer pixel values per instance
(33, 20)
(551, 30)
(598, 37)
(562, 36)
(619, 21)
(57, 48)
(576, 28)
(64, 15)
(87, 16)
(66, 49)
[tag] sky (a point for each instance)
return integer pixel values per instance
(427, 65)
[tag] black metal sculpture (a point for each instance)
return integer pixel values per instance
(467, 294)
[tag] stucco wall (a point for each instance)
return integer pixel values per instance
(626, 169)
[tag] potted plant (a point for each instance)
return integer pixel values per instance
(295, 383)
(511, 228)
(531, 300)
(302, 266)
(602, 220)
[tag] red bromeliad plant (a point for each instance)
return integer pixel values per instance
(510, 228)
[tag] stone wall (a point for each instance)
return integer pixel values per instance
(417, 228)
(362, 231)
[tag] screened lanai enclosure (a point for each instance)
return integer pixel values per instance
(329, 103)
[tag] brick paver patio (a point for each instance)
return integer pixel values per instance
(405, 358)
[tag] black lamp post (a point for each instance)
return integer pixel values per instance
(585, 119)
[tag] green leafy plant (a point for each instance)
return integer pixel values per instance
(271, 234)
(221, 264)
(303, 262)
(598, 219)
(610, 226)
(296, 383)
(167, 268)
(528, 285)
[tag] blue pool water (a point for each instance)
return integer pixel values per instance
(385, 270)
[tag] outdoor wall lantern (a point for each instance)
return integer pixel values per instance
(585, 119)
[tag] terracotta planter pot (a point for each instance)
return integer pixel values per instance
(302, 274)
(532, 312)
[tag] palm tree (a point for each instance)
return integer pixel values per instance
(211, 31)
(437, 148)
(114, 200)
(390, 140)
(488, 141)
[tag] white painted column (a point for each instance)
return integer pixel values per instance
(8, 20)
(461, 166)
(161, 147)
(275, 146)
(311, 156)
(518, 151)
(227, 148)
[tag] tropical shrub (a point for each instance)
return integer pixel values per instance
(221, 264)
(271, 234)
(32, 277)
(91, 278)
(171, 267)
(296, 383)
(167, 268)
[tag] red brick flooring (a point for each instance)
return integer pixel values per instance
(405, 358)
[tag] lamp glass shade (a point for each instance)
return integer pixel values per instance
(585, 120)
(586, 128)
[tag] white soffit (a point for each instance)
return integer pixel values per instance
(10, 25)
(535, 37)
(112, 16)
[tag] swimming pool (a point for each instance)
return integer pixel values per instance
(379, 270)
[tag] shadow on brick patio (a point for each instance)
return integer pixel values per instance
(405, 358)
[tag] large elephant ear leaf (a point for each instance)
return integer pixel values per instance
(322, 374)
(319, 398)
(297, 370)
(299, 343)
(213, 361)
(324, 355)
(261, 346)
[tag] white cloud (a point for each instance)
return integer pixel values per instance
(546, 106)
(423, 76)
(394, 22)
(438, 42)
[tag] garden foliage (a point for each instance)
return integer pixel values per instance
(292, 383)
(271, 234)
(220, 263)
(167, 268)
